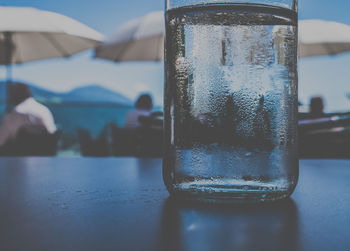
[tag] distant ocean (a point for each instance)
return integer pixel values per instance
(92, 118)
(69, 118)
(90, 107)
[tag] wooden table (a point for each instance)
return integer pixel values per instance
(122, 204)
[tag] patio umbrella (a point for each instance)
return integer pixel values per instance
(140, 39)
(28, 34)
(319, 37)
(143, 39)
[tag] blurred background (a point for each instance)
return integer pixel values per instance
(87, 95)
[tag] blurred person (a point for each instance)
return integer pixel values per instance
(229, 122)
(316, 107)
(143, 109)
(204, 129)
(26, 113)
(143, 135)
(262, 127)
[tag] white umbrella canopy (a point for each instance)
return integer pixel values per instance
(319, 37)
(28, 34)
(140, 39)
(143, 39)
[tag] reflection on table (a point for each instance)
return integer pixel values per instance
(122, 204)
(193, 226)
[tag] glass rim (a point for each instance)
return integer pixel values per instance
(288, 4)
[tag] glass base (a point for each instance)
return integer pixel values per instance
(247, 192)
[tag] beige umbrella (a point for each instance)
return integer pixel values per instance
(319, 37)
(28, 34)
(137, 40)
(143, 39)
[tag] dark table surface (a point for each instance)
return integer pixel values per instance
(122, 204)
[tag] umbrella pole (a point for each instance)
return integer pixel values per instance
(7, 87)
(8, 51)
(8, 73)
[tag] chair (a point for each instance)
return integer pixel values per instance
(32, 141)
(98, 147)
(140, 142)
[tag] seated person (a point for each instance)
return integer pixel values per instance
(142, 135)
(143, 108)
(26, 113)
(316, 107)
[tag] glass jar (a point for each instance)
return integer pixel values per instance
(231, 100)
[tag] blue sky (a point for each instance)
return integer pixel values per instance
(327, 76)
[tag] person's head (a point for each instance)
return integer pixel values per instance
(144, 102)
(18, 93)
(316, 105)
(261, 100)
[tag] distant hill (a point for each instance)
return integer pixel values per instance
(95, 94)
(87, 95)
